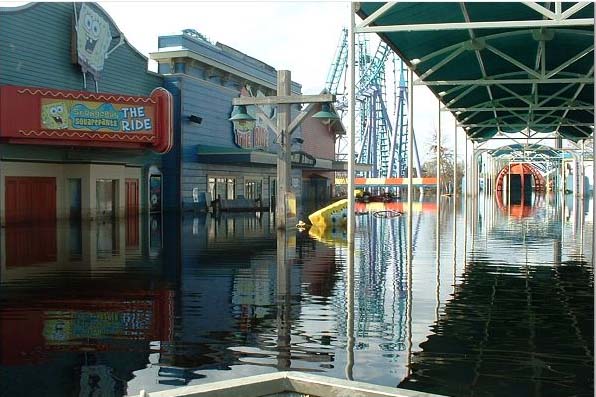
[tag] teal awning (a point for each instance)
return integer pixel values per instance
(239, 156)
(498, 67)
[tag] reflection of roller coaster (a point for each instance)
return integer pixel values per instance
(380, 281)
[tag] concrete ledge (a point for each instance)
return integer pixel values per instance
(293, 384)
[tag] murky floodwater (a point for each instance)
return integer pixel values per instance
(110, 308)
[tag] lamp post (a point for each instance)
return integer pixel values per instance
(283, 131)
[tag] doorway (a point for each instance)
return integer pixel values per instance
(106, 198)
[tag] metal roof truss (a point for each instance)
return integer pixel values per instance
(493, 71)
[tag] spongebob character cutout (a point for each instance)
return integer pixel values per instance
(93, 41)
(54, 116)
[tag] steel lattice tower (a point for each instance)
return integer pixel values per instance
(379, 142)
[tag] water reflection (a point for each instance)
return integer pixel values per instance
(111, 307)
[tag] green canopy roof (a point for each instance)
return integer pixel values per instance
(498, 67)
(532, 152)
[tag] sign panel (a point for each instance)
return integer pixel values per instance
(93, 41)
(96, 116)
(44, 116)
(250, 134)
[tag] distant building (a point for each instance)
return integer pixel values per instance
(216, 158)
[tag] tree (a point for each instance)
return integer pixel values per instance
(429, 169)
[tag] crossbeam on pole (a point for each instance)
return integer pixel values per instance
(284, 99)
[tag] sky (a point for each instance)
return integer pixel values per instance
(300, 36)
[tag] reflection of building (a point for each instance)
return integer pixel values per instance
(220, 158)
(233, 306)
(81, 122)
(105, 338)
(82, 316)
(30, 250)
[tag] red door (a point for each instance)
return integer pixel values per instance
(132, 196)
(30, 220)
(30, 199)
(132, 212)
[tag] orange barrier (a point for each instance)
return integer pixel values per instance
(386, 181)
(400, 206)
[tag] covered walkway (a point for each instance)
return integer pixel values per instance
(520, 72)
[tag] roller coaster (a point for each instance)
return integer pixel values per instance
(381, 91)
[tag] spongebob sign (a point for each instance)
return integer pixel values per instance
(93, 41)
(95, 116)
(54, 116)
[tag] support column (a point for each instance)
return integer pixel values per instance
(561, 170)
(350, 340)
(455, 165)
(469, 186)
(581, 171)
(438, 191)
(410, 257)
(351, 120)
(509, 189)
(410, 133)
(576, 177)
(284, 164)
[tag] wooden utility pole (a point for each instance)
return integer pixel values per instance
(284, 164)
(283, 131)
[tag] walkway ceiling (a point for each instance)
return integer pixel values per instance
(498, 67)
(529, 153)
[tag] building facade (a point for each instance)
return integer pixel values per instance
(83, 124)
(215, 158)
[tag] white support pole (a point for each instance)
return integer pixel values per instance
(350, 312)
(410, 134)
(438, 190)
(509, 189)
(593, 194)
(352, 120)
(455, 164)
(576, 173)
(582, 171)
(410, 210)
(454, 242)
(351, 202)
(467, 171)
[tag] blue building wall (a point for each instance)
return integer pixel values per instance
(35, 50)
(207, 78)
(35, 43)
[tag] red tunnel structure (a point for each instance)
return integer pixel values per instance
(523, 171)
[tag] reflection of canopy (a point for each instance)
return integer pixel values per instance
(504, 328)
(498, 67)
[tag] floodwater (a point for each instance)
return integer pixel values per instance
(108, 308)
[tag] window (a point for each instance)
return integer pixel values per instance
(224, 187)
(231, 188)
(253, 189)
